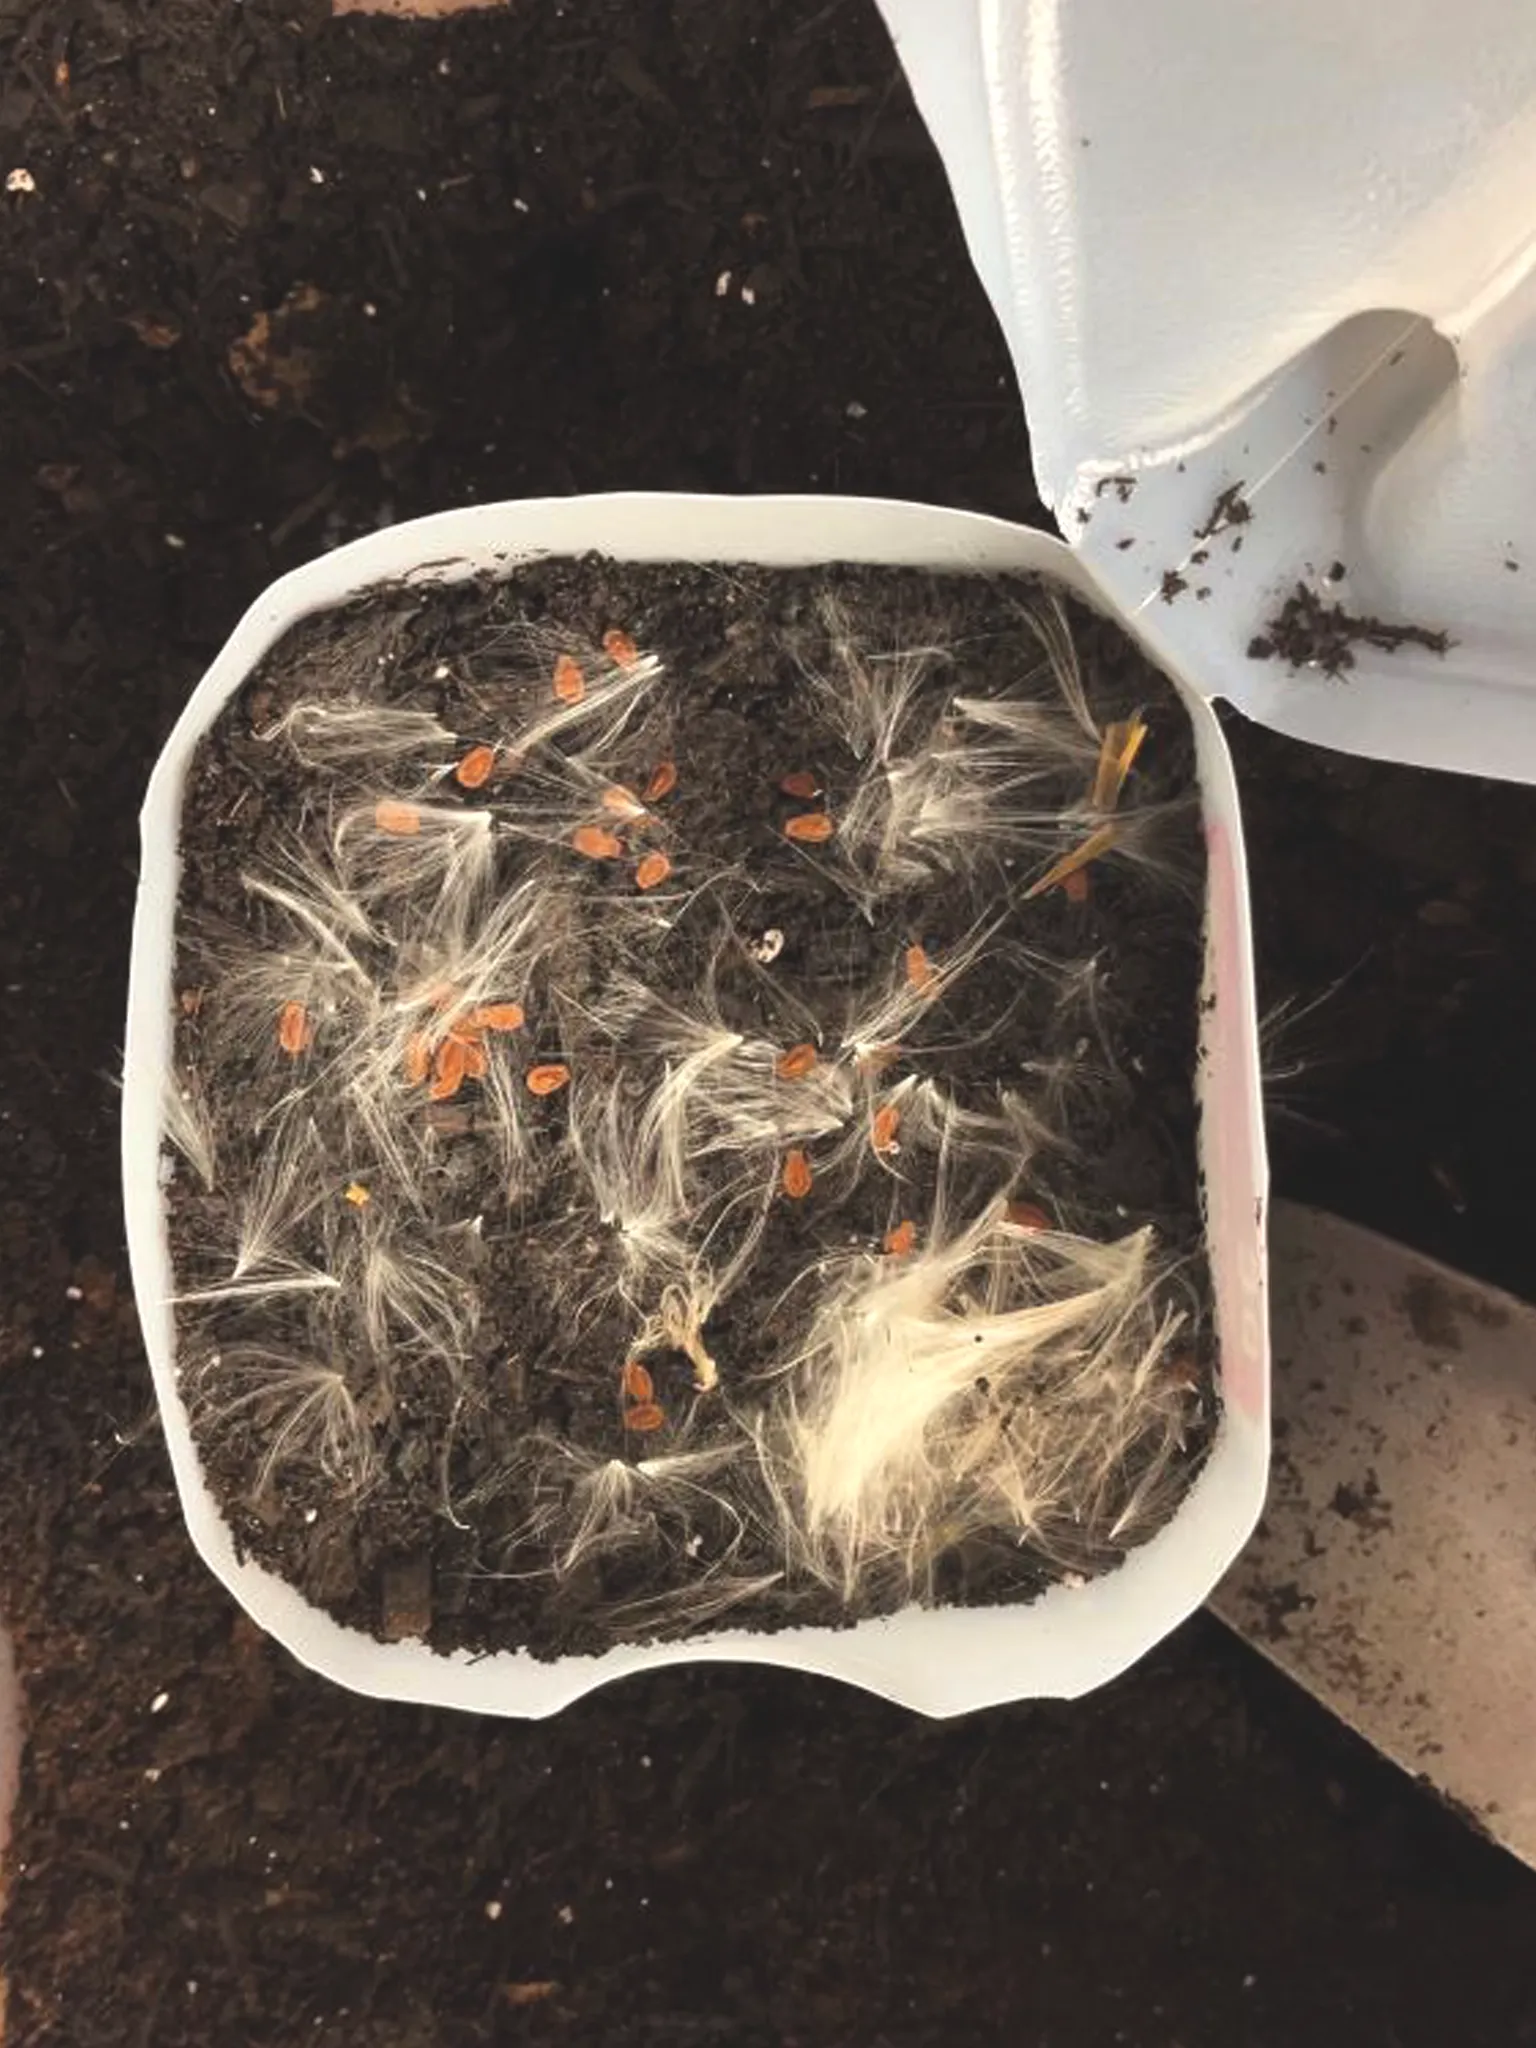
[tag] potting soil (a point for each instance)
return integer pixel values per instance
(477, 1525)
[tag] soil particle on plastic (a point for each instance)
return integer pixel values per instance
(1231, 508)
(1309, 632)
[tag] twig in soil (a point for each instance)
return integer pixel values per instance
(1123, 739)
(1092, 848)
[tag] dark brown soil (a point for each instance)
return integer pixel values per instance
(1309, 632)
(1197, 1855)
(1230, 508)
(479, 1460)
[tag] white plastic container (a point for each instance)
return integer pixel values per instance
(940, 1662)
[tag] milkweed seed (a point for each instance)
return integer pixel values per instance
(475, 768)
(403, 821)
(920, 971)
(1026, 1216)
(547, 1080)
(597, 843)
(810, 828)
(883, 1128)
(497, 1017)
(448, 1069)
(795, 1064)
(294, 1030)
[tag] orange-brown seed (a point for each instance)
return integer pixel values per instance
(1026, 1216)
(795, 1064)
(622, 802)
(619, 647)
(652, 871)
(884, 1125)
(901, 1239)
(597, 843)
(635, 1382)
(294, 1030)
(475, 1062)
(663, 781)
(547, 1080)
(796, 1177)
(810, 828)
(920, 971)
(497, 1017)
(403, 820)
(448, 1069)
(644, 1417)
(418, 1057)
(802, 784)
(475, 769)
(570, 683)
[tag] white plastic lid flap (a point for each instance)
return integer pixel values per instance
(1281, 249)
